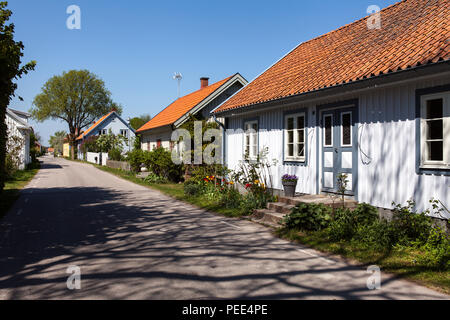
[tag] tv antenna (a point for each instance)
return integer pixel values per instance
(178, 76)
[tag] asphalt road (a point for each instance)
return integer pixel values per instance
(131, 242)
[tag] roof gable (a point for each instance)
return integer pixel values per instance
(97, 123)
(413, 33)
(182, 106)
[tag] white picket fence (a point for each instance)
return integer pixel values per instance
(94, 157)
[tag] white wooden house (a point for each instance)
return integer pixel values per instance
(372, 103)
(17, 125)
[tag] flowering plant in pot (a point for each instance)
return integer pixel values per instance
(289, 184)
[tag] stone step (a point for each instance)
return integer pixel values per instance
(334, 203)
(280, 207)
(268, 216)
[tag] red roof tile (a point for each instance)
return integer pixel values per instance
(180, 107)
(413, 32)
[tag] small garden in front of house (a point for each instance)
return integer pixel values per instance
(409, 244)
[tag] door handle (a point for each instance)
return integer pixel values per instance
(336, 150)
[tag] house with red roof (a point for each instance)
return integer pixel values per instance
(113, 123)
(369, 102)
(158, 131)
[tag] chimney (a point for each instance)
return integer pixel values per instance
(203, 82)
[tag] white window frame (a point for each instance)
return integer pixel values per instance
(251, 133)
(295, 157)
(429, 164)
(342, 129)
(324, 130)
(124, 132)
(102, 132)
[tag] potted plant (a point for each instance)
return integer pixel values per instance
(289, 184)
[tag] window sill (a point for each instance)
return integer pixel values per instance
(434, 167)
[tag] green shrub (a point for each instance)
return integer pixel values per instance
(153, 178)
(437, 250)
(135, 158)
(377, 235)
(192, 188)
(365, 214)
(159, 161)
(346, 222)
(409, 225)
(115, 155)
(231, 198)
(308, 217)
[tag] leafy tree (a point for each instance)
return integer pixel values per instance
(77, 97)
(57, 141)
(11, 53)
(138, 122)
(110, 141)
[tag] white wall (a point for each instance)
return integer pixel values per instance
(387, 140)
(149, 139)
(90, 157)
(14, 130)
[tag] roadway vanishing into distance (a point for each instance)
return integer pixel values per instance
(132, 242)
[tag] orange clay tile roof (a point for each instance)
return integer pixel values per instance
(96, 123)
(413, 33)
(180, 107)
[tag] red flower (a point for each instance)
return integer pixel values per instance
(248, 185)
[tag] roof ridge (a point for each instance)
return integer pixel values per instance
(353, 23)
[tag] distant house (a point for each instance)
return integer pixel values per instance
(17, 124)
(373, 103)
(110, 122)
(158, 131)
(66, 148)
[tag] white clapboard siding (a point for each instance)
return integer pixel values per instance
(387, 147)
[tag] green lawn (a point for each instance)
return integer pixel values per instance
(13, 186)
(399, 260)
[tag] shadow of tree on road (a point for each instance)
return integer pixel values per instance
(143, 245)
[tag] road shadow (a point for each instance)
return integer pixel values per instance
(130, 245)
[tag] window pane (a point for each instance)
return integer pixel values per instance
(301, 136)
(301, 150)
(290, 136)
(290, 150)
(346, 129)
(255, 126)
(254, 139)
(435, 129)
(436, 151)
(328, 134)
(255, 151)
(300, 122)
(290, 123)
(434, 108)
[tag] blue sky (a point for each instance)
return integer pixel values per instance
(135, 46)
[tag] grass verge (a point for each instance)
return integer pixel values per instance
(401, 261)
(13, 186)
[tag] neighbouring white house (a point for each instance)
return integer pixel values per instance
(17, 125)
(373, 103)
(111, 122)
(158, 131)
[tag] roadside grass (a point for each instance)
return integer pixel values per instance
(13, 186)
(399, 260)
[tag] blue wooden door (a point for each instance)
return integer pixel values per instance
(339, 148)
